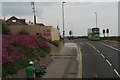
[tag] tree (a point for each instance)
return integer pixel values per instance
(5, 30)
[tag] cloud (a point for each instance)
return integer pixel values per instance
(61, 0)
(16, 8)
(22, 8)
(80, 15)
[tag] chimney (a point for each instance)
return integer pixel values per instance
(34, 20)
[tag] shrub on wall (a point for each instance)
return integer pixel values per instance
(23, 32)
(5, 30)
(17, 51)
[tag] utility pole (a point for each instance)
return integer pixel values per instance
(33, 10)
(70, 33)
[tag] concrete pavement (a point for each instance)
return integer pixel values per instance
(65, 63)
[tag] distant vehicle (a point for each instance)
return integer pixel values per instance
(94, 34)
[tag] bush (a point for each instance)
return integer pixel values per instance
(17, 51)
(56, 43)
(5, 30)
(116, 38)
(12, 68)
(23, 32)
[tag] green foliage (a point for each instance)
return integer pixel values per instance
(41, 52)
(53, 42)
(23, 32)
(46, 50)
(9, 52)
(116, 38)
(61, 39)
(42, 37)
(30, 55)
(14, 67)
(5, 30)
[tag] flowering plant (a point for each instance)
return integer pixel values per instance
(30, 42)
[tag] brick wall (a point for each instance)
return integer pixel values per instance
(35, 29)
(55, 34)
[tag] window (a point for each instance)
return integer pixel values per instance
(14, 21)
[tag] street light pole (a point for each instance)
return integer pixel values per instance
(96, 19)
(63, 20)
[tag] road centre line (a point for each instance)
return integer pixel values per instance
(109, 46)
(94, 47)
(117, 73)
(108, 62)
(90, 44)
(102, 55)
(98, 51)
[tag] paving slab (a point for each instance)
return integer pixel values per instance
(64, 63)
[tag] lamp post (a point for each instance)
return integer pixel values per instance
(63, 20)
(96, 19)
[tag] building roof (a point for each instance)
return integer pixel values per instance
(40, 24)
(13, 17)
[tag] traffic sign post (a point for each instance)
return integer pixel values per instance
(70, 33)
(104, 33)
(107, 31)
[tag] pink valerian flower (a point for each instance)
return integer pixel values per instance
(28, 41)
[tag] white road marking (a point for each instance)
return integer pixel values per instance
(79, 75)
(91, 45)
(102, 55)
(109, 46)
(98, 51)
(94, 47)
(109, 63)
(117, 72)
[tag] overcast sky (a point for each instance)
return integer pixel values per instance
(79, 16)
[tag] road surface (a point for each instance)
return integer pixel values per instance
(99, 59)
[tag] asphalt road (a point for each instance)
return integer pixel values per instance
(99, 60)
